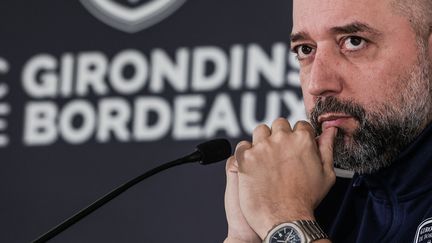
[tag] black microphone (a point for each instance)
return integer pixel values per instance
(206, 153)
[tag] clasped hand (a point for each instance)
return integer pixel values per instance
(282, 175)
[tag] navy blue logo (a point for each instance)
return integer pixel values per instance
(131, 15)
(424, 232)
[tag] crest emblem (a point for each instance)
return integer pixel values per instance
(424, 232)
(131, 15)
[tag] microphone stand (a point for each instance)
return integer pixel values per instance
(193, 157)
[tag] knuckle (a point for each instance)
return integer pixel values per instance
(248, 156)
(230, 163)
(305, 130)
(241, 145)
(241, 148)
(303, 125)
(260, 127)
(302, 133)
(280, 121)
(303, 122)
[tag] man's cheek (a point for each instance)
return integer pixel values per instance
(309, 104)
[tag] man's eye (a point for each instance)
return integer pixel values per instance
(354, 43)
(303, 51)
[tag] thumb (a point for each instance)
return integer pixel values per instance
(232, 178)
(325, 144)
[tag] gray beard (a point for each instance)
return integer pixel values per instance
(374, 145)
(384, 132)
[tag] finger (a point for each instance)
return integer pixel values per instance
(232, 178)
(326, 144)
(280, 125)
(238, 227)
(231, 191)
(260, 133)
(240, 149)
(231, 165)
(304, 126)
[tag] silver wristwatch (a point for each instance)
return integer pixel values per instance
(299, 231)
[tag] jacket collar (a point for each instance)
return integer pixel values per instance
(408, 176)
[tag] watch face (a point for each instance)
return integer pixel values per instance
(286, 234)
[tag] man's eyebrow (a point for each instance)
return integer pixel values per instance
(351, 28)
(299, 36)
(354, 27)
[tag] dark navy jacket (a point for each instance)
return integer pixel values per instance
(387, 206)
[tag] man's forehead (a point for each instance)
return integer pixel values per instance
(322, 15)
(317, 6)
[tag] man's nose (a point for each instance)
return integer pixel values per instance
(325, 77)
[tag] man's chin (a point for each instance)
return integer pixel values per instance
(348, 139)
(345, 137)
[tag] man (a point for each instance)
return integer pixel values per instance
(366, 80)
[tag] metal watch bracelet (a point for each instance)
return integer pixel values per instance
(309, 231)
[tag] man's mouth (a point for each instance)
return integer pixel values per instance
(339, 120)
